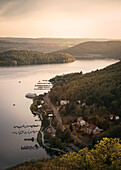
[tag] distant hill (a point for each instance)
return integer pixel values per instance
(40, 44)
(98, 50)
(23, 57)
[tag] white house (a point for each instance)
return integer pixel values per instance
(50, 115)
(39, 106)
(42, 101)
(78, 101)
(64, 102)
(83, 104)
(117, 117)
(81, 121)
(111, 117)
(97, 131)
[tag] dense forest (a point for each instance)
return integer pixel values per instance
(99, 93)
(22, 57)
(98, 50)
(106, 154)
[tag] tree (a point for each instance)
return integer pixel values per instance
(107, 152)
(71, 127)
(115, 106)
(67, 136)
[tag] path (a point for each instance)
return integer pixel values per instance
(55, 111)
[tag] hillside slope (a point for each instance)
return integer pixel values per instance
(99, 93)
(98, 88)
(98, 50)
(22, 57)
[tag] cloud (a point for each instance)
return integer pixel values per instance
(60, 18)
(13, 8)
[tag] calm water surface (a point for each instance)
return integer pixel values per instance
(13, 92)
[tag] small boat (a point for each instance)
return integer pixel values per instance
(14, 104)
(31, 95)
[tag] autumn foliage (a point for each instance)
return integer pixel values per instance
(106, 154)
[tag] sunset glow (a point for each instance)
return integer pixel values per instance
(65, 18)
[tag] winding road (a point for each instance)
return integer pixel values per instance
(55, 110)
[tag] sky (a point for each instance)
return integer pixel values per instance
(60, 18)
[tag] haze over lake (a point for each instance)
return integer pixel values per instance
(13, 92)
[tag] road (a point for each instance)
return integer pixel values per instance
(55, 111)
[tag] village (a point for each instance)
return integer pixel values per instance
(49, 114)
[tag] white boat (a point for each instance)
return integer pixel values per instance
(31, 95)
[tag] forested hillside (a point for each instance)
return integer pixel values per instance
(22, 57)
(98, 50)
(98, 91)
(101, 87)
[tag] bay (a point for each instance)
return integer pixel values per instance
(12, 92)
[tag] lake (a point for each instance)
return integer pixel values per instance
(14, 106)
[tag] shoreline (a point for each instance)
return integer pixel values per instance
(41, 131)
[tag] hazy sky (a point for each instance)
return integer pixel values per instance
(60, 18)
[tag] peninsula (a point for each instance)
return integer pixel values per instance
(23, 57)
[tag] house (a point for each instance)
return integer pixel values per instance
(39, 106)
(42, 101)
(81, 121)
(83, 104)
(97, 131)
(117, 117)
(90, 129)
(64, 102)
(78, 102)
(52, 131)
(111, 117)
(50, 115)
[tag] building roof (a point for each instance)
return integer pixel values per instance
(50, 115)
(79, 119)
(111, 115)
(51, 130)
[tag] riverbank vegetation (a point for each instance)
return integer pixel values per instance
(23, 57)
(106, 154)
(54, 137)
